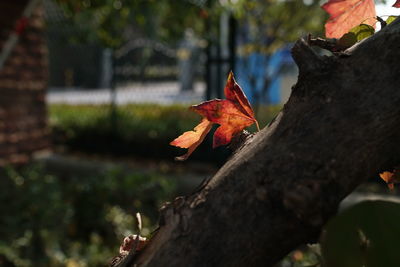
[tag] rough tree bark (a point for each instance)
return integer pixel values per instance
(339, 128)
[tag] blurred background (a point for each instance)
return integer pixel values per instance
(93, 91)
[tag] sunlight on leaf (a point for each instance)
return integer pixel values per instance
(345, 15)
(233, 114)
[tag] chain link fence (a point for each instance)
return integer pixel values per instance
(141, 70)
(131, 99)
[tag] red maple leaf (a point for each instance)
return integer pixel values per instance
(397, 4)
(233, 114)
(347, 14)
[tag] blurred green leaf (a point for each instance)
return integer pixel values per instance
(355, 35)
(366, 234)
(362, 31)
(390, 19)
(347, 40)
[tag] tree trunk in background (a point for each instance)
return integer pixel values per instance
(23, 83)
(340, 127)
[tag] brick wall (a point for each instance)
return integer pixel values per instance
(23, 81)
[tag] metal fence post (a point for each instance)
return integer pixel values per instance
(113, 98)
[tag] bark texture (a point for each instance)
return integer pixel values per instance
(340, 127)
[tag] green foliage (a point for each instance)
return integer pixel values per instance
(356, 34)
(74, 221)
(390, 19)
(96, 21)
(137, 129)
(347, 40)
(366, 234)
(280, 21)
(105, 21)
(362, 31)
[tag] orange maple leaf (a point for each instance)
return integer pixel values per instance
(347, 14)
(192, 139)
(391, 178)
(233, 114)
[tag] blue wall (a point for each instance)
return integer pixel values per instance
(260, 66)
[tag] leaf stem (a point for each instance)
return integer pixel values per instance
(258, 126)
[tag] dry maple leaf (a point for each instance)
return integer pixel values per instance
(233, 114)
(129, 241)
(347, 14)
(234, 93)
(228, 115)
(391, 178)
(192, 139)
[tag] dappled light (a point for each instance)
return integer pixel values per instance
(199, 133)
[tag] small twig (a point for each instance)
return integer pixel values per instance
(328, 44)
(139, 223)
(258, 126)
(127, 261)
(382, 22)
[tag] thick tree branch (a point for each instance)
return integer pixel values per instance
(340, 126)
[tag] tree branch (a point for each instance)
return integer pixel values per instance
(339, 127)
